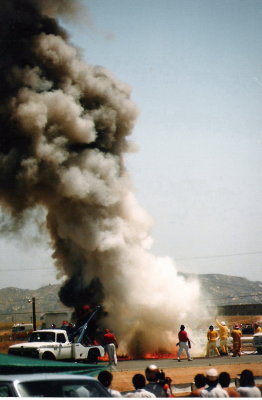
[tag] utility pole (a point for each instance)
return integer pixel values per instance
(33, 311)
(32, 300)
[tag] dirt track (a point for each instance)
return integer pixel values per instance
(123, 380)
(185, 374)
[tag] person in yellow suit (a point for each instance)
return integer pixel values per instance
(223, 336)
(212, 336)
(236, 335)
(257, 328)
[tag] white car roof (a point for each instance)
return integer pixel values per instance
(44, 376)
(55, 330)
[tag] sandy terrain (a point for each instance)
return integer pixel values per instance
(123, 380)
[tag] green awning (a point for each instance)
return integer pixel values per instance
(10, 364)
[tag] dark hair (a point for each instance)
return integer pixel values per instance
(139, 381)
(211, 327)
(152, 373)
(246, 378)
(200, 380)
(224, 379)
(105, 377)
(182, 327)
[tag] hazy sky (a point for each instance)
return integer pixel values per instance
(195, 70)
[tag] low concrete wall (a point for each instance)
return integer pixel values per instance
(240, 309)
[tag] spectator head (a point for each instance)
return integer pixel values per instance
(182, 327)
(105, 377)
(139, 381)
(152, 373)
(212, 377)
(246, 378)
(200, 380)
(223, 323)
(211, 327)
(224, 379)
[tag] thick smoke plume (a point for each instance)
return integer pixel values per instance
(64, 130)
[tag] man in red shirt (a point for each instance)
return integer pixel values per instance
(110, 346)
(184, 343)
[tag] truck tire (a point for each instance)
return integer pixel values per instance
(48, 356)
(93, 355)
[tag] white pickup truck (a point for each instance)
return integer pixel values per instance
(257, 342)
(54, 344)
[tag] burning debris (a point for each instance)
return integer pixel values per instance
(64, 131)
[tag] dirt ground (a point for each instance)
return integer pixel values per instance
(122, 381)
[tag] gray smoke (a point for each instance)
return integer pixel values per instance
(64, 131)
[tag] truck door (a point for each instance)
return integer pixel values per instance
(64, 347)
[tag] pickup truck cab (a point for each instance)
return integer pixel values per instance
(257, 342)
(54, 344)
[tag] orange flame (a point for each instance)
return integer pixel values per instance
(160, 355)
(148, 356)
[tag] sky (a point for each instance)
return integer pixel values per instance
(195, 71)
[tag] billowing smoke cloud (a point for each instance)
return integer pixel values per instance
(64, 130)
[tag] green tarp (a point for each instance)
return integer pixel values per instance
(10, 364)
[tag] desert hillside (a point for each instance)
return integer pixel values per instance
(218, 289)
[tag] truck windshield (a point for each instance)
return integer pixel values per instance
(42, 337)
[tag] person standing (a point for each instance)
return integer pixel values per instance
(106, 378)
(223, 336)
(153, 386)
(184, 343)
(110, 346)
(236, 335)
(247, 386)
(213, 388)
(212, 336)
(257, 328)
(199, 383)
(139, 383)
(224, 380)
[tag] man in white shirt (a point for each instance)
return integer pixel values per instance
(213, 389)
(139, 382)
(106, 378)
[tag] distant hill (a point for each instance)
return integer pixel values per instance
(227, 290)
(218, 289)
(14, 304)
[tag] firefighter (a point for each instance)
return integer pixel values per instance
(257, 328)
(236, 335)
(110, 346)
(223, 336)
(212, 336)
